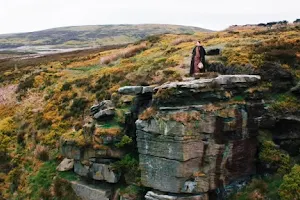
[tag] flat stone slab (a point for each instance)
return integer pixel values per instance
(156, 196)
(220, 80)
(91, 192)
(135, 90)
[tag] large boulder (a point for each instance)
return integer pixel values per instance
(97, 171)
(191, 146)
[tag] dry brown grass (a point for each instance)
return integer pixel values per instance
(125, 53)
(148, 113)
(108, 131)
(185, 117)
(182, 40)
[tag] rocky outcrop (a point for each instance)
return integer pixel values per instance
(205, 138)
(105, 109)
(193, 137)
(97, 171)
(93, 149)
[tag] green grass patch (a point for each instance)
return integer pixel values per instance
(42, 180)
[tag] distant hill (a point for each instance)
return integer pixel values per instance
(91, 36)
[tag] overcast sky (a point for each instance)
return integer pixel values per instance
(32, 15)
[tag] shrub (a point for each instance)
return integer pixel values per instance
(153, 38)
(133, 192)
(4, 142)
(290, 188)
(78, 106)
(41, 153)
(66, 86)
(14, 178)
(260, 188)
(129, 165)
(7, 126)
(126, 140)
(270, 154)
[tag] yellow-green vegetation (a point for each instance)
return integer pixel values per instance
(260, 188)
(290, 188)
(270, 154)
(76, 137)
(126, 140)
(129, 165)
(55, 92)
(286, 103)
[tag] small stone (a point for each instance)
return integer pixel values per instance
(65, 165)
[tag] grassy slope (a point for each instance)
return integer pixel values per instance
(87, 36)
(51, 91)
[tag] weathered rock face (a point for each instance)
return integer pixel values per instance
(286, 133)
(97, 171)
(204, 140)
(93, 150)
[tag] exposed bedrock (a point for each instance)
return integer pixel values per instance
(200, 145)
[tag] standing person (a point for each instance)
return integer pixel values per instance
(197, 57)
